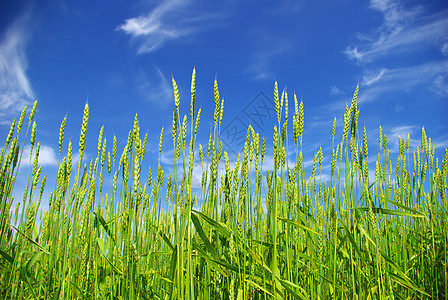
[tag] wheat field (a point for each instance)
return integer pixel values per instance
(258, 233)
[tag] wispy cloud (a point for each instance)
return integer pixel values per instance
(440, 85)
(433, 75)
(369, 79)
(402, 131)
(441, 142)
(260, 66)
(415, 133)
(155, 89)
(335, 91)
(170, 20)
(403, 30)
(15, 88)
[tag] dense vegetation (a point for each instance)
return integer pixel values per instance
(257, 234)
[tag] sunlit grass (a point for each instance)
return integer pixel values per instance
(257, 234)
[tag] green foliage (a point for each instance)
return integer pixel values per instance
(257, 234)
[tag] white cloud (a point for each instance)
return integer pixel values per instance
(393, 12)
(170, 20)
(47, 156)
(15, 88)
(441, 142)
(405, 33)
(403, 30)
(155, 89)
(444, 48)
(440, 85)
(432, 74)
(372, 78)
(403, 131)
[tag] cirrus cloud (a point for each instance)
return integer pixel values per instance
(170, 20)
(15, 88)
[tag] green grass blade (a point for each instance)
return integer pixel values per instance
(297, 224)
(351, 238)
(220, 227)
(6, 256)
(103, 251)
(32, 241)
(202, 235)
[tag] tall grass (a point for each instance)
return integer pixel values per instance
(258, 234)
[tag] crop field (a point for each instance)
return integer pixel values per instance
(257, 233)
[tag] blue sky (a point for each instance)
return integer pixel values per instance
(121, 55)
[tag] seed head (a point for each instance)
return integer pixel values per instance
(160, 142)
(301, 119)
(69, 160)
(193, 93)
(334, 128)
(83, 135)
(196, 125)
(61, 133)
(378, 169)
(296, 106)
(33, 135)
(145, 141)
(22, 117)
(424, 140)
(174, 128)
(136, 175)
(276, 154)
(100, 140)
(114, 148)
(381, 137)
(257, 144)
(179, 137)
(176, 94)
(346, 123)
(295, 129)
(36, 177)
(184, 128)
(209, 144)
(353, 106)
(276, 101)
(36, 159)
(286, 106)
(263, 150)
(216, 98)
(366, 170)
(221, 112)
(11, 132)
(33, 112)
(136, 128)
(320, 157)
(103, 153)
(333, 163)
(364, 142)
